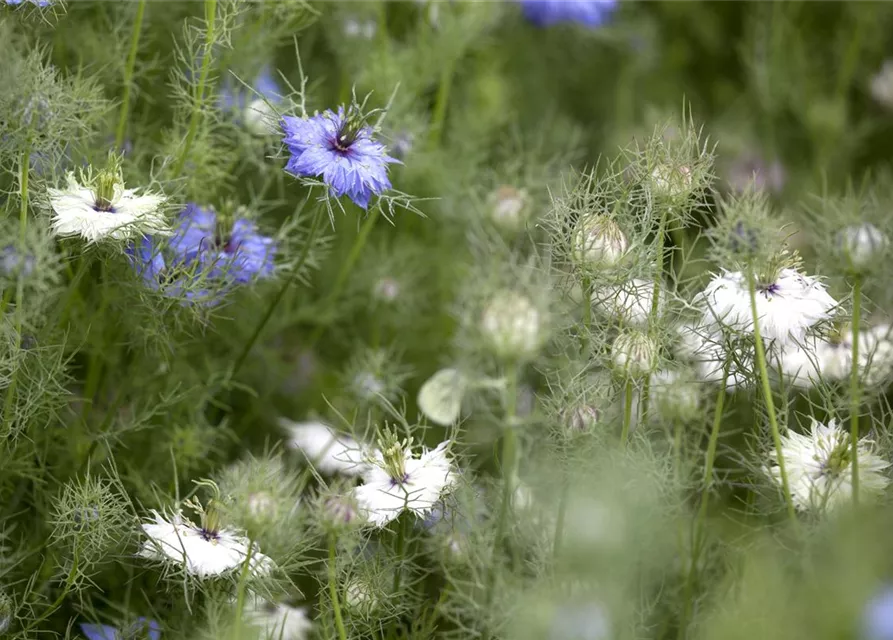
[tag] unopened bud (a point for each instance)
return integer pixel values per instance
(358, 597)
(386, 290)
(674, 397)
(508, 208)
(634, 354)
(861, 246)
(340, 511)
(599, 242)
(582, 418)
(512, 325)
(670, 181)
(440, 398)
(260, 117)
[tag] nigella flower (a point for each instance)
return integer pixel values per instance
(252, 108)
(278, 621)
(397, 481)
(589, 13)
(203, 551)
(102, 208)
(804, 365)
(14, 263)
(142, 628)
(340, 148)
(819, 467)
(326, 450)
(786, 307)
(240, 252)
(169, 277)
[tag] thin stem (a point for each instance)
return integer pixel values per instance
(586, 285)
(400, 549)
(296, 271)
(440, 104)
(696, 539)
(346, 268)
(333, 588)
(24, 172)
(654, 314)
(240, 590)
(767, 397)
(627, 411)
(128, 72)
(508, 461)
(855, 389)
(210, 36)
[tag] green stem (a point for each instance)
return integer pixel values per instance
(240, 590)
(760, 350)
(333, 588)
(24, 170)
(346, 268)
(654, 314)
(128, 73)
(509, 462)
(627, 411)
(210, 36)
(296, 271)
(855, 388)
(586, 285)
(696, 538)
(562, 516)
(400, 549)
(440, 105)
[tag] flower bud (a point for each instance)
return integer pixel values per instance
(359, 598)
(861, 246)
(582, 418)
(882, 85)
(440, 398)
(508, 208)
(675, 398)
(260, 117)
(511, 324)
(340, 512)
(634, 354)
(671, 182)
(386, 290)
(599, 242)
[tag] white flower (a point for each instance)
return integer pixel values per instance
(629, 302)
(326, 450)
(674, 396)
(512, 323)
(816, 359)
(440, 397)
(819, 467)
(397, 481)
(79, 211)
(710, 356)
(786, 308)
(278, 621)
(203, 552)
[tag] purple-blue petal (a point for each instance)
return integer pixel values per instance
(100, 632)
(589, 13)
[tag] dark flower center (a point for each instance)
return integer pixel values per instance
(208, 535)
(769, 290)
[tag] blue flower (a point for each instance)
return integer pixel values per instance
(589, 13)
(340, 149)
(38, 3)
(14, 263)
(170, 279)
(241, 254)
(142, 629)
(877, 617)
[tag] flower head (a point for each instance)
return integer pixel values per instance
(634, 354)
(512, 325)
(338, 147)
(628, 303)
(600, 242)
(786, 307)
(819, 467)
(398, 481)
(589, 13)
(508, 207)
(204, 551)
(100, 207)
(149, 262)
(326, 450)
(877, 617)
(239, 252)
(142, 628)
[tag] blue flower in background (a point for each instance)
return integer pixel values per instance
(14, 263)
(877, 617)
(341, 150)
(252, 108)
(38, 3)
(241, 253)
(170, 279)
(142, 629)
(589, 13)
